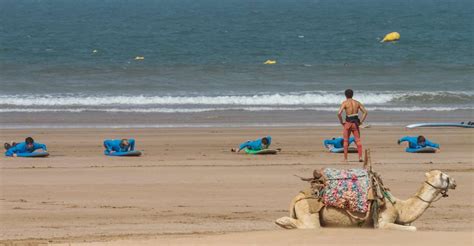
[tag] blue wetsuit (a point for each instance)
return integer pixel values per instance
(413, 143)
(256, 144)
(22, 148)
(114, 145)
(337, 142)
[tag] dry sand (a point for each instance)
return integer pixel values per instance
(188, 188)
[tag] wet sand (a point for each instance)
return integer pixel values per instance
(188, 188)
(225, 118)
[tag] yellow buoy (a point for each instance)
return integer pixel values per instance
(393, 36)
(139, 58)
(270, 62)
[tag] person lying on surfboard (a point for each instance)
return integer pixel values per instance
(336, 142)
(29, 146)
(123, 145)
(418, 142)
(259, 144)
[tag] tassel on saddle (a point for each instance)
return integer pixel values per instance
(317, 182)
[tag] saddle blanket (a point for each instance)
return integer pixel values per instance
(346, 189)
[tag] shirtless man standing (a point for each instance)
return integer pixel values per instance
(352, 123)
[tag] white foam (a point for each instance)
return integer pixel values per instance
(315, 98)
(208, 103)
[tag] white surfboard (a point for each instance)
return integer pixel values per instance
(440, 125)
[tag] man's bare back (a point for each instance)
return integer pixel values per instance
(352, 107)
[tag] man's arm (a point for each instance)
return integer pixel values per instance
(108, 147)
(132, 144)
(40, 146)
(328, 142)
(11, 151)
(243, 146)
(339, 114)
(364, 113)
(403, 139)
(431, 144)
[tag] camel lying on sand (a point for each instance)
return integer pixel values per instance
(397, 215)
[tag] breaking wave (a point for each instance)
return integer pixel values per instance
(278, 99)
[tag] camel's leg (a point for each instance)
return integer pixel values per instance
(393, 226)
(305, 222)
(388, 217)
(306, 219)
(287, 222)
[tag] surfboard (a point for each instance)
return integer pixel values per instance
(33, 154)
(421, 150)
(261, 152)
(129, 153)
(440, 125)
(365, 126)
(341, 150)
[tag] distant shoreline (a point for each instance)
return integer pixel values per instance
(224, 119)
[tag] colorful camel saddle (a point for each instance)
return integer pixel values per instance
(346, 189)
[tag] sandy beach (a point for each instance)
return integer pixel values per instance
(188, 188)
(190, 80)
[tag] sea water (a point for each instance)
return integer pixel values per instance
(205, 57)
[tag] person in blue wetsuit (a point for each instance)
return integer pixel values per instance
(259, 144)
(415, 143)
(123, 145)
(336, 142)
(29, 146)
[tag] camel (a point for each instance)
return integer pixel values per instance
(397, 215)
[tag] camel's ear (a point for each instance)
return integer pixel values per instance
(442, 176)
(427, 175)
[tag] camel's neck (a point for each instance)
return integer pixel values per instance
(412, 208)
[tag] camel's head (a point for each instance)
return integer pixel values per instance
(440, 180)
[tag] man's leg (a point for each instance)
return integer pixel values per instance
(346, 134)
(356, 132)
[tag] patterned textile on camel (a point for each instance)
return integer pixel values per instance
(346, 189)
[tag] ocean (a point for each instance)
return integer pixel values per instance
(201, 62)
